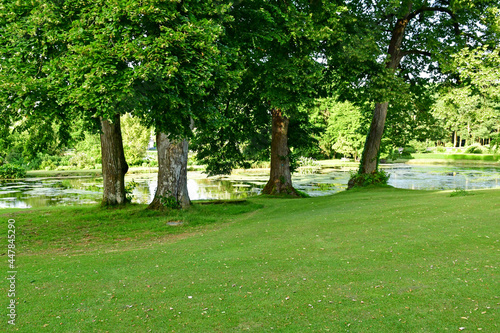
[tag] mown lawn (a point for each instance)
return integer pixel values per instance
(377, 260)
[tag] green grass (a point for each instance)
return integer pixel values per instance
(377, 260)
(86, 172)
(490, 158)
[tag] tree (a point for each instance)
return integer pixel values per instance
(342, 126)
(26, 103)
(181, 62)
(103, 59)
(135, 139)
(413, 37)
(65, 60)
(277, 45)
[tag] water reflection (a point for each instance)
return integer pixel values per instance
(37, 192)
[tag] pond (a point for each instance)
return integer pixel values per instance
(37, 192)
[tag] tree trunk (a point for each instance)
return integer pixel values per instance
(172, 190)
(454, 138)
(280, 180)
(114, 166)
(369, 158)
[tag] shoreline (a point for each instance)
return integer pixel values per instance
(324, 164)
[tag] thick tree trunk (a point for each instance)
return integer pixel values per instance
(172, 174)
(280, 180)
(114, 166)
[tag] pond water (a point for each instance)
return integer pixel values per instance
(37, 192)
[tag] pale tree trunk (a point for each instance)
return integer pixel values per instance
(280, 180)
(172, 174)
(114, 166)
(370, 156)
(454, 138)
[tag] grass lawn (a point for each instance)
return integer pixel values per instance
(377, 260)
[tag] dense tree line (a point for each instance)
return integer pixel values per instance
(243, 81)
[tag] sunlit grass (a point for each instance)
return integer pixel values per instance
(380, 260)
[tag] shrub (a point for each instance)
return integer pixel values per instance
(82, 161)
(441, 149)
(420, 147)
(378, 177)
(474, 149)
(10, 171)
(409, 150)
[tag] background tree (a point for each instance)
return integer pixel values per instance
(342, 125)
(136, 138)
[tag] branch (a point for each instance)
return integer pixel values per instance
(430, 9)
(436, 9)
(419, 52)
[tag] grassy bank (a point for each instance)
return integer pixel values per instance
(437, 158)
(85, 172)
(379, 260)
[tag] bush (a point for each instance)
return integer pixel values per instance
(378, 177)
(83, 161)
(420, 147)
(474, 149)
(10, 171)
(48, 162)
(409, 150)
(441, 149)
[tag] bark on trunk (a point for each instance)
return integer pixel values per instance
(172, 174)
(280, 180)
(369, 158)
(114, 166)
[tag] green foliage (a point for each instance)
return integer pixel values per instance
(478, 67)
(9, 171)
(82, 160)
(459, 192)
(169, 201)
(440, 149)
(87, 152)
(419, 146)
(378, 177)
(277, 44)
(129, 188)
(135, 139)
(50, 162)
(474, 149)
(465, 113)
(341, 127)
